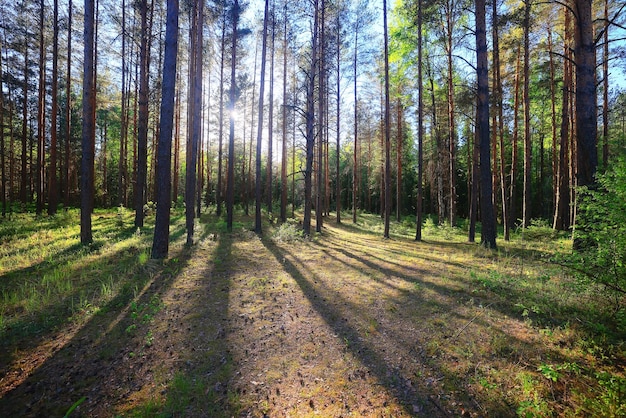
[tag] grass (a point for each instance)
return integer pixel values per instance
(343, 322)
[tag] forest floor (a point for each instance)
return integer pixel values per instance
(343, 324)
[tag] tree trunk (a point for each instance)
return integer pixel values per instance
(68, 109)
(220, 155)
(399, 150)
(527, 197)
(355, 167)
(420, 127)
(474, 156)
(310, 126)
(41, 114)
(52, 186)
(177, 121)
(500, 129)
(142, 122)
(270, 119)
(338, 154)
(258, 193)
(2, 150)
(320, 125)
(562, 197)
(387, 127)
(283, 165)
(122, 168)
(89, 127)
(24, 154)
(514, 150)
(586, 98)
(605, 93)
(230, 187)
(196, 122)
(451, 119)
(160, 243)
(488, 235)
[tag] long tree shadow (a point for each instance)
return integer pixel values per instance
(91, 362)
(195, 333)
(410, 395)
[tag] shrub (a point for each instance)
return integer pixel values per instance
(600, 255)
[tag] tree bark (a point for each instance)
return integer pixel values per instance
(488, 234)
(160, 243)
(230, 186)
(258, 192)
(527, 197)
(220, 155)
(52, 186)
(319, 222)
(283, 165)
(387, 127)
(196, 122)
(420, 127)
(142, 121)
(270, 119)
(68, 109)
(41, 114)
(89, 127)
(310, 125)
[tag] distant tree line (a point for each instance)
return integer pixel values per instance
(459, 110)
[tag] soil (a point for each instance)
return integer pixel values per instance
(346, 324)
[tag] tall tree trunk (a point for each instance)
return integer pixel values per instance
(553, 115)
(142, 122)
(527, 196)
(451, 118)
(89, 127)
(52, 187)
(160, 243)
(399, 150)
(387, 127)
(270, 119)
(24, 154)
(500, 128)
(283, 165)
(320, 125)
(488, 234)
(562, 197)
(220, 155)
(122, 168)
(2, 148)
(68, 109)
(474, 155)
(177, 121)
(514, 150)
(310, 125)
(41, 114)
(338, 154)
(196, 122)
(355, 167)
(249, 180)
(258, 193)
(420, 127)
(230, 187)
(586, 98)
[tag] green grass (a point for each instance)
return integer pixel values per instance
(458, 291)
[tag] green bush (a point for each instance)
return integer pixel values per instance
(600, 235)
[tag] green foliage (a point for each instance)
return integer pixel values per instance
(612, 400)
(600, 257)
(289, 231)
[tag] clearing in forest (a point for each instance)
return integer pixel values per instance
(343, 324)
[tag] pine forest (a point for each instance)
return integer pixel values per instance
(272, 208)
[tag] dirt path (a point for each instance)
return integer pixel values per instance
(239, 326)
